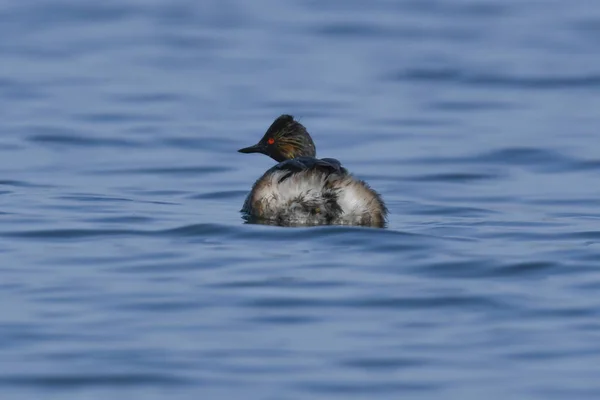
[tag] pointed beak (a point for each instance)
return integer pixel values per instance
(257, 148)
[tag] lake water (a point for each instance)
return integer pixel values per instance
(127, 272)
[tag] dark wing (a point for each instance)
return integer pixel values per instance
(336, 164)
(328, 165)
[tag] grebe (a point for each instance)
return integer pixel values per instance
(305, 190)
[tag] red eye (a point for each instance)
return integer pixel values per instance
(271, 141)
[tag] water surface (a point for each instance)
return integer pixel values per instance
(128, 272)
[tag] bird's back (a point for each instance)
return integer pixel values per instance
(312, 191)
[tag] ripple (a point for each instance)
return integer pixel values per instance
(353, 29)
(197, 230)
(455, 211)
(289, 303)
(442, 302)
(455, 76)
(166, 193)
(490, 268)
(508, 155)
(471, 105)
(169, 267)
(414, 303)
(564, 202)
(522, 156)
(71, 233)
(383, 363)
(380, 388)
(590, 235)
(148, 98)
(538, 159)
(192, 43)
(125, 219)
(475, 9)
(192, 170)
(118, 117)
(277, 283)
(78, 380)
(204, 143)
(70, 13)
(330, 232)
(152, 306)
(455, 177)
(93, 198)
(107, 260)
(15, 183)
(80, 140)
(563, 313)
(225, 195)
(530, 268)
(283, 320)
(542, 355)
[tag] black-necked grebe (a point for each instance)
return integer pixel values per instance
(305, 190)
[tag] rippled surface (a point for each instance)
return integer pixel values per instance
(126, 268)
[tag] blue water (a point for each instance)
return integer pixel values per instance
(127, 272)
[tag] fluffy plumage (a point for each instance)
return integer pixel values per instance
(305, 190)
